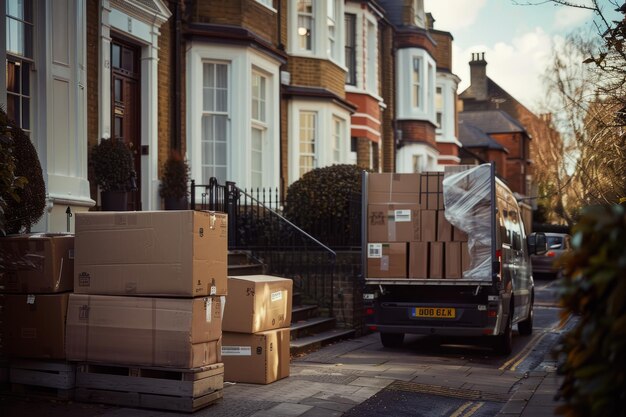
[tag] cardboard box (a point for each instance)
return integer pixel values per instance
(458, 235)
(393, 222)
(428, 225)
(259, 358)
(157, 253)
(33, 326)
(418, 260)
(172, 332)
(436, 260)
(431, 191)
(257, 303)
(393, 188)
(444, 228)
(387, 260)
(37, 263)
(454, 262)
(465, 257)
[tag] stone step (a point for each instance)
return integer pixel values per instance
(305, 312)
(311, 326)
(317, 341)
(250, 269)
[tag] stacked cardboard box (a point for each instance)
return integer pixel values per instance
(256, 329)
(407, 231)
(149, 292)
(35, 282)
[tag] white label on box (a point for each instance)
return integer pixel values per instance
(374, 250)
(236, 351)
(30, 299)
(276, 296)
(208, 303)
(223, 304)
(402, 215)
(213, 290)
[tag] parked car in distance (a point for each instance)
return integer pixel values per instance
(557, 244)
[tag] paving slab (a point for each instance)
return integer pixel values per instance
(284, 410)
(371, 382)
(326, 404)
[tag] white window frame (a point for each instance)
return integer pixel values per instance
(314, 141)
(319, 32)
(259, 101)
(405, 89)
(268, 4)
(416, 83)
(371, 67)
(405, 158)
(214, 112)
(301, 29)
(337, 139)
(244, 61)
(446, 133)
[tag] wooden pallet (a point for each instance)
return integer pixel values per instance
(41, 378)
(150, 387)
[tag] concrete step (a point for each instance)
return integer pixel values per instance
(315, 342)
(311, 326)
(296, 299)
(300, 313)
(238, 258)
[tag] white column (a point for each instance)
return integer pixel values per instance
(104, 93)
(149, 123)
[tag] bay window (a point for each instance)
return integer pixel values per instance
(214, 134)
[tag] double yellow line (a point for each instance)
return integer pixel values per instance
(516, 360)
(461, 410)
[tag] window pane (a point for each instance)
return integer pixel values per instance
(118, 90)
(25, 114)
(128, 62)
(220, 153)
(208, 75)
(25, 75)
(221, 76)
(117, 129)
(15, 8)
(15, 37)
(13, 108)
(13, 77)
(220, 127)
(116, 56)
(305, 6)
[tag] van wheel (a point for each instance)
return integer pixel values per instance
(526, 327)
(391, 340)
(503, 343)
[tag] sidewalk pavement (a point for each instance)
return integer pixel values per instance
(340, 377)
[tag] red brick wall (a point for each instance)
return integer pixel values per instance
(363, 153)
(511, 141)
(93, 46)
(417, 131)
(415, 38)
(388, 93)
(443, 51)
(165, 95)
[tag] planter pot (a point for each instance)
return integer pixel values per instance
(114, 200)
(173, 203)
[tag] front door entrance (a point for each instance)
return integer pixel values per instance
(125, 111)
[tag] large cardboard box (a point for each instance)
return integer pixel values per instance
(156, 253)
(431, 191)
(393, 222)
(436, 263)
(454, 261)
(37, 263)
(173, 332)
(387, 260)
(428, 225)
(33, 326)
(444, 228)
(418, 260)
(393, 188)
(259, 358)
(256, 303)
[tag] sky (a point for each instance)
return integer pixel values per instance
(517, 40)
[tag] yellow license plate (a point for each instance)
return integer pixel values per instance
(434, 312)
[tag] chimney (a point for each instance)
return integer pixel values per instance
(478, 76)
(430, 21)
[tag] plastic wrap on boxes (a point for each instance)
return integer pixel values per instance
(467, 199)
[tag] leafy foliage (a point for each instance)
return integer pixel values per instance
(591, 356)
(23, 192)
(174, 183)
(113, 166)
(9, 182)
(324, 196)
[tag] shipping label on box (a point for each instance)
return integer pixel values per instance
(39, 263)
(256, 303)
(160, 253)
(387, 260)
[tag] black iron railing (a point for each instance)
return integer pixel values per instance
(260, 229)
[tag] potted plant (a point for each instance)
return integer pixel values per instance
(175, 182)
(114, 173)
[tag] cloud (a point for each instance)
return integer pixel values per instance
(568, 17)
(454, 16)
(517, 66)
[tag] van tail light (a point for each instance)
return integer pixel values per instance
(499, 260)
(369, 311)
(551, 254)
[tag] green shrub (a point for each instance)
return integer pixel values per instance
(25, 210)
(9, 182)
(174, 183)
(113, 165)
(319, 202)
(592, 356)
